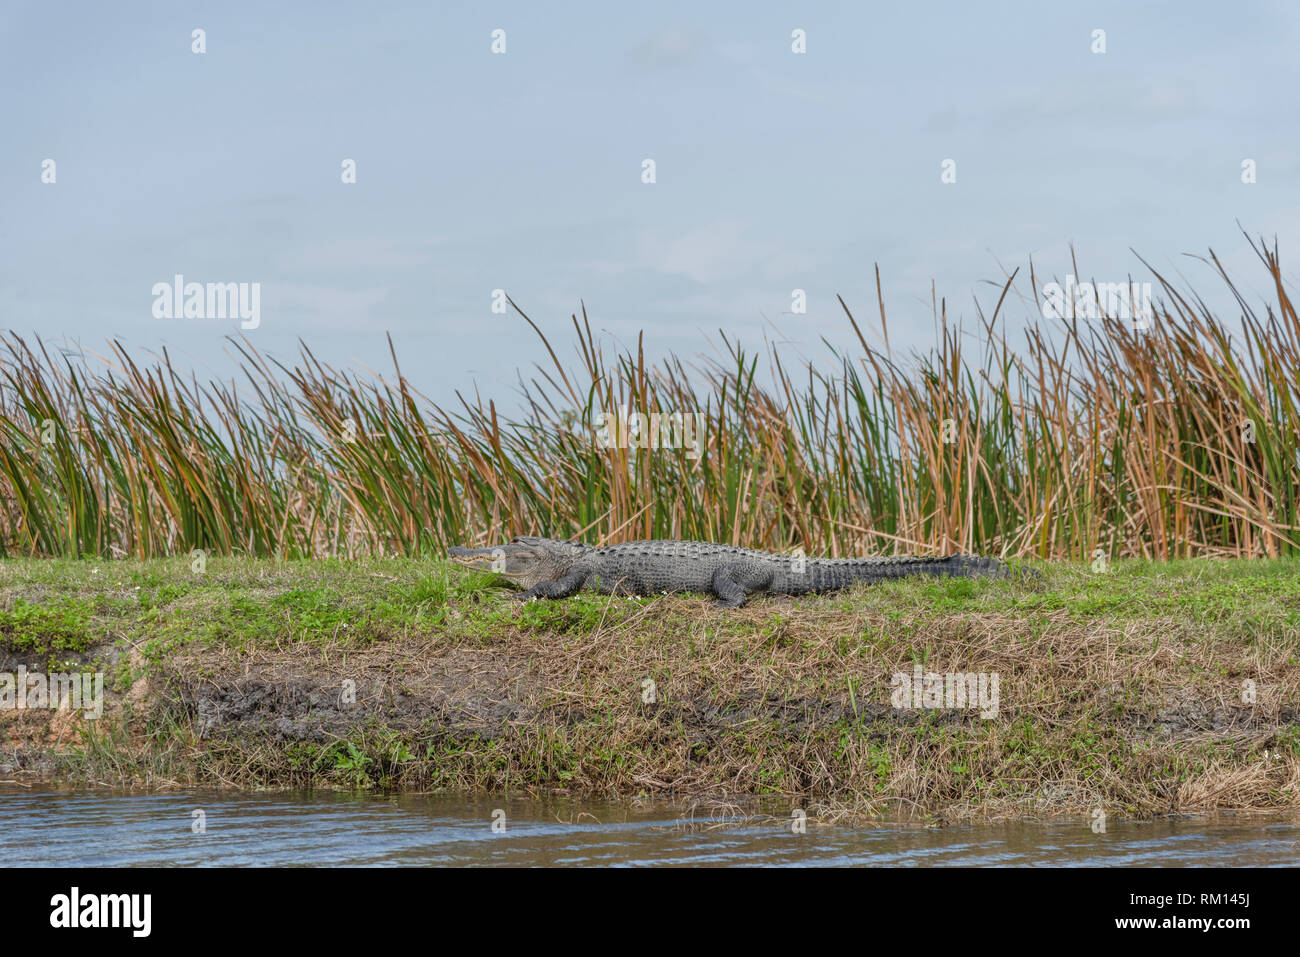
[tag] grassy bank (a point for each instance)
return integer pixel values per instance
(1120, 691)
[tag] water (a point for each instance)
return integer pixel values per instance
(52, 827)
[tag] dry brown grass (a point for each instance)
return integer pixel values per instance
(1134, 715)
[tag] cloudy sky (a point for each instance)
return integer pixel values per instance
(522, 171)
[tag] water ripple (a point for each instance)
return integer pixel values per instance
(53, 828)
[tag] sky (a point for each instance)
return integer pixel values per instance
(523, 171)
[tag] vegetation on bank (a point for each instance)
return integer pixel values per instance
(1120, 690)
(1176, 441)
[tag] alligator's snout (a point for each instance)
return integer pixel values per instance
(518, 561)
(460, 551)
(526, 561)
(482, 559)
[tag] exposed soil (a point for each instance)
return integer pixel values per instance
(1159, 713)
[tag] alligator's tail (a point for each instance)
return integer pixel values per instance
(977, 566)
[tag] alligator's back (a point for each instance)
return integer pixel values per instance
(731, 573)
(666, 565)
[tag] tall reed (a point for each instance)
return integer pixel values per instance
(1180, 440)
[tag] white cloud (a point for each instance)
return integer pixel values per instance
(671, 46)
(361, 251)
(328, 305)
(724, 249)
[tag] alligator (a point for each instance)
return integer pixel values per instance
(548, 568)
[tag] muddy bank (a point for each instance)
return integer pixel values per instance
(1171, 710)
(479, 695)
(420, 714)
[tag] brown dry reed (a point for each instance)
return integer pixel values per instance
(1092, 436)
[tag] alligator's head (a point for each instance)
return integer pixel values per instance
(526, 561)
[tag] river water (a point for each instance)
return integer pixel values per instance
(44, 827)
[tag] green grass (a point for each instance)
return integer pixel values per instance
(50, 629)
(64, 605)
(1121, 688)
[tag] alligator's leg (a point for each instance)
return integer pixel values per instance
(560, 588)
(728, 592)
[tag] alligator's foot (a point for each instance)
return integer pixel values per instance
(560, 588)
(727, 590)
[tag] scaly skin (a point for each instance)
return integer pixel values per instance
(547, 568)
